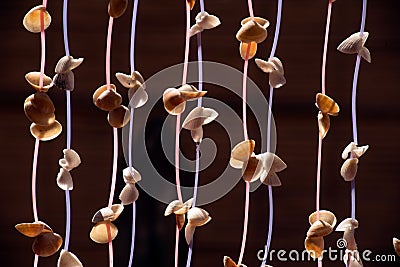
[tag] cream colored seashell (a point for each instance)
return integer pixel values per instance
(324, 124)
(116, 8)
(33, 229)
(204, 21)
(189, 232)
(252, 169)
(180, 221)
(243, 50)
(314, 246)
(199, 116)
(131, 175)
(327, 105)
(356, 151)
(271, 165)
(349, 169)
(189, 92)
(319, 229)
(33, 78)
(241, 153)
(348, 236)
(265, 66)
(64, 81)
(67, 63)
(185, 207)
(324, 215)
(137, 97)
(104, 214)
(172, 207)
(46, 133)
(107, 99)
(129, 194)
(195, 29)
(32, 20)
(198, 216)
(119, 117)
(71, 159)
(39, 109)
(355, 45)
(47, 244)
(68, 259)
(275, 68)
(346, 224)
(263, 22)
(64, 180)
(133, 81)
(99, 233)
(117, 210)
(396, 245)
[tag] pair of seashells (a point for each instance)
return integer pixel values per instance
(129, 193)
(264, 166)
(196, 216)
(204, 21)
(350, 166)
(327, 107)
(46, 242)
(252, 32)
(195, 120)
(175, 99)
(105, 231)
(322, 224)
(64, 78)
(136, 88)
(275, 69)
(70, 161)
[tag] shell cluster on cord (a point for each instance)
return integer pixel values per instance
(322, 223)
(350, 165)
(70, 161)
(354, 44)
(204, 21)
(196, 217)
(64, 78)
(275, 69)
(129, 193)
(179, 208)
(103, 223)
(252, 32)
(46, 242)
(228, 262)
(195, 120)
(327, 107)
(174, 99)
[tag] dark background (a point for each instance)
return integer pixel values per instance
(160, 43)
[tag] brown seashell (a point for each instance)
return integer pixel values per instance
(243, 50)
(180, 221)
(325, 216)
(355, 45)
(32, 20)
(129, 194)
(327, 105)
(396, 245)
(228, 262)
(64, 180)
(64, 81)
(107, 99)
(191, 3)
(198, 217)
(174, 103)
(33, 78)
(271, 165)
(263, 22)
(324, 123)
(119, 117)
(189, 92)
(116, 8)
(32, 229)
(349, 169)
(241, 153)
(314, 246)
(199, 116)
(189, 232)
(131, 175)
(67, 63)
(71, 159)
(39, 109)
(319, 229)
(68, 259)
(99, 232)
(197, 134)
(47, 244)
(252, 169)
(204, 21)
(253, 30)
(46, 133)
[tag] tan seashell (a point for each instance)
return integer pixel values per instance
(119, 117)
(346, 224)
(117, 209)
(33, 78)
(129, 194)
(99, 233)
(39, 109)
(172, 207)
(131, 175)
(32, 20)
(185, 207)
(241, 153)
(46, 133)
(180, 221)
(191, 3)
(189, 232)
(252, 169)
(64, 180)
(174, 103)
(263, 22)
(314, 246)
(325, 216)
(228, 262)
(271, 165)
(319, 229)
(47, 244)
(67, 63)
(243, 50)
(68, 259)
(355, 150)
(396, 245)
(253, 30)
(189, 92)
(204, 21)
(64, 81)
(348, 236)
(198, 217)
(349, 169)
(327, 105)
(137, 97)
(275, 68)
(355, 45)
(107, 99)
(116, 8)
(199, 116)
(71, 159)
(324, 124)
(104, 214)
(133, 81)
(30, 229)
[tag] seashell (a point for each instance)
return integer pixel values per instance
(263, 22)
(253, 30)
(46, 244)
(133, 81)
(197, 135)
(174, 103)
(39, 109)
(117, 209)
(104, 214)
(324, 215)
(116, 8)
(241, 153)
(99, 232)
(33, 78)
(348, 236)
(64, 180)
(67, 63)
(327, 105)
(204, 21)
(352, 258)
(198, 217)
(129, 194)
(172, 207)
(243, 47)
(189, 232)
(119, 117)
(189, 92)
(131, 175)
(252, 169)
(355, 45)
(275, 68)
(319, 229)
(71, 159)
(349, 169)
(32, 19)
(228, 262)
(199, 116)
(137, 97)
(270, 178)
(46, 133)
(396, 245)
(185, 207)
(180, 220)
(346, 224)
(64, 81)
(32, 229)
(68, 259)
(107, 99)
(314, 246)
(324, 123)
(271, 165)
(195, 29)
(355, 150)
(191, 3)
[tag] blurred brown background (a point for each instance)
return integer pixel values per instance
(160, 43)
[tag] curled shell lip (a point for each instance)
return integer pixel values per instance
(199, 116)
(99, 232)
(204, 21)
(108, 213)
(67, 63)
(33, 78)
(68, 259)
(172, 207)
(133, 81)
(348, 223)
(324, 215)
(131, 175)
(319, 229)
(32, 19)
(263, 22)
(46, 133)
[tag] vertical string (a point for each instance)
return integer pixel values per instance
(133, 35)
(328, 22)
(319, 163)
(34, 178)
(244, 94)
(108, 52)
(245, 222)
